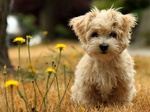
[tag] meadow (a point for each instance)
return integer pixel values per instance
(39, 90)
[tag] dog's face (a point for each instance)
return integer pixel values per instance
(104, 34)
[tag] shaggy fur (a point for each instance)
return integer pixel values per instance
(105, 74)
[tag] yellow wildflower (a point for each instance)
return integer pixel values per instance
(60, 46)
(19, 40)
(50, 70)
(4, 70)
(11, 83)
(45, 32)
(5, 67)
(33, 70)
(73, 55)
(29, 36)
(66, 63)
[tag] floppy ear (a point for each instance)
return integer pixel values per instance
(78, 25)
(129, 21)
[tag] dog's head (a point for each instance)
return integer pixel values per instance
(103, 34)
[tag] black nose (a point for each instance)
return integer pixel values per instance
(103, 47)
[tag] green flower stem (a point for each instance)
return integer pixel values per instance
(45, 96)
(48, 78)
(35, 81)
(19, 58)
(58, 107)
(19, 68)
(25, 101)
(22, 81)
(31, 67)
(12, 98)
(29, 52)
(35, 100)
(57, 86)
(47, 90)
(7, 105)
(58, 60)
(56, 75)
(65, 76)
(38, 87)
(6, 98)
(35, 84)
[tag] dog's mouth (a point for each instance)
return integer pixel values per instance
(104, 52)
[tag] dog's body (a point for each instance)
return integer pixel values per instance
(105, 73)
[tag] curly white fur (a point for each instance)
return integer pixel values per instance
(104, 75)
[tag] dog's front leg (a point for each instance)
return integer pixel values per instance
(83, 94)
(123, 94)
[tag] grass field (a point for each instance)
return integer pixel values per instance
(42, 57)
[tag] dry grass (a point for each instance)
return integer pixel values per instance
(70, 57)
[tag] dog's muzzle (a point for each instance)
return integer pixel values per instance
(103, 47)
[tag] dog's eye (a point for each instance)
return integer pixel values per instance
(95, 34)
(113, 34)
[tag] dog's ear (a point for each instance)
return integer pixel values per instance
(78, 25)
(129, 21)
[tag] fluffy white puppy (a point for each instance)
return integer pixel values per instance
(105, 74)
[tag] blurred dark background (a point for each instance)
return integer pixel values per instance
(52, 16)
(47, 20)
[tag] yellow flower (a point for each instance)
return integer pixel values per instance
(73, 55)
(50, 70)
(45, 32)
(5, 67)
(60, 46)
(11, 83)
(4, 70)
(33, 70)
(66, 63)
(19, 40)
(29, 36)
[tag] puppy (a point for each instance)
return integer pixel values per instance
(105, 74)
